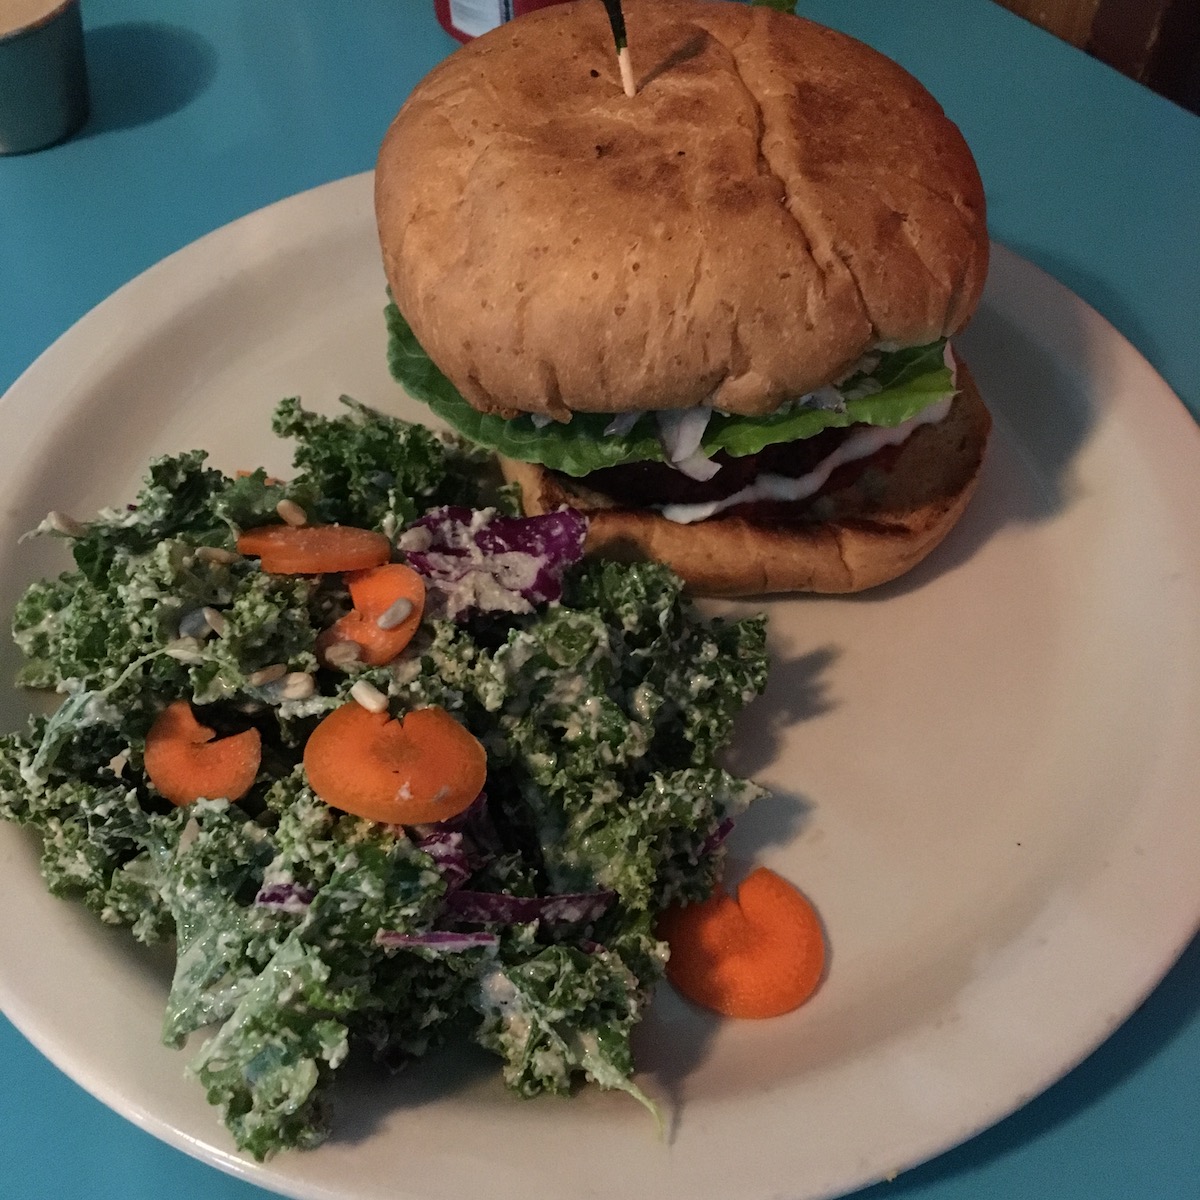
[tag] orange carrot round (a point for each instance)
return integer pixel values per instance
(314, 549)
(186, 760)
(420, 768)
(388, 603)
(759, 955)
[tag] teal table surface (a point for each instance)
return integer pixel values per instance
(205, 112)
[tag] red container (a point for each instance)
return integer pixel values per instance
(465, 19)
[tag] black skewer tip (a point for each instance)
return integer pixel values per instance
(616, 18)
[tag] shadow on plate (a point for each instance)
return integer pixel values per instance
(797, 690)
(1043, 408)
(374, 1091)
(675, 1038)
(141, 71)
(1043, 412)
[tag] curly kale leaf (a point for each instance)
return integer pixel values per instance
(250, 500)
(375, 471)
(559, 1013)
(87, 833)
(288, 1023)
(642, 600)
(16, 793)
(100, 845)
(210, 884)
(268, 1067)
(71, 629)
(650, 848)
(701, 681)
(416, 1001)
(693, 676)
(97, 840)
(551, 683)
(605, 717)
(176, 499)
(36, 628)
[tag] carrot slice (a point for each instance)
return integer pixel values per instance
(759, 955)
(314, 549)
(379, 593)
(186, 760)
(420, 768)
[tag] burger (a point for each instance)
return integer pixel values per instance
(712, 316)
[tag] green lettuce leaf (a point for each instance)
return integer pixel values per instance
(576, 448)
(899, 386)
(907, 381)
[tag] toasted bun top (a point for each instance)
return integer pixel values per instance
(776, 199)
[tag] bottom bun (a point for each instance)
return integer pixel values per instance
(851, 536)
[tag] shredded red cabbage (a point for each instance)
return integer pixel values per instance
(479, 561)
(500, 908)
(475, 822)
(445, 847)
(717, 836)
(284, 897)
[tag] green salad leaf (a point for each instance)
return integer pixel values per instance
(558, 1011)
(895, 388)
(603, 715)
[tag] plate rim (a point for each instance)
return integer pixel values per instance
(294, 214)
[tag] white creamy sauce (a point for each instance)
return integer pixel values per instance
(643, 703)
(499, 994)
(860, 444)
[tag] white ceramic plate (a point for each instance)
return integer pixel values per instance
(984, 774)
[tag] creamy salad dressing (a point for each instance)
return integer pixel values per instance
(603, 700)
(859, 445)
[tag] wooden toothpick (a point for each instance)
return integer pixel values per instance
(616, 19)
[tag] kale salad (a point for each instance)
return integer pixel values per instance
(526, 921)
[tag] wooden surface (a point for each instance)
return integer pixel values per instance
(1070, 20)
(1156, 42)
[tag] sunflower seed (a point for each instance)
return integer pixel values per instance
(216, 622)
(290, 512)
(298, 685)
(216, 554)
(68, 526)
(369, 696)
(342, 654)
(418, 539)
(191, 831)
(395, 614)
(265, 675)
